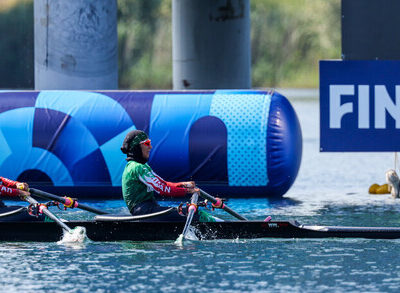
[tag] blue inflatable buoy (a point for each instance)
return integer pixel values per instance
(232, 143)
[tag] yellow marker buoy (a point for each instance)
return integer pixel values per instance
(383, 189)
(379, 189)
(372, 189)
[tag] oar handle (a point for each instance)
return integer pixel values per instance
(48, 213)
(209, 197)
(50, 196)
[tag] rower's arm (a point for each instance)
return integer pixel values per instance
(10, 187)
(8, 182)
(8, 191)
(159, 185)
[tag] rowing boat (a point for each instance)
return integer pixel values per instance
(108, 227)
(98, 230)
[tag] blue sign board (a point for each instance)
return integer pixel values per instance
(359, 106)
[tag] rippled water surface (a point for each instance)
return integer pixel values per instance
(331, 189)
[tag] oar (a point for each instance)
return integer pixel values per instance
(31, 200)
(190, 213)
(209, 197)
(191, 210)
(66, 201)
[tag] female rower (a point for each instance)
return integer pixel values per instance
(139, 181)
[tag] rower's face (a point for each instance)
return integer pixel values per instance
(146, 148)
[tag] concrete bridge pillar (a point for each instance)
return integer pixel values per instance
(76, 44)
(211, 44)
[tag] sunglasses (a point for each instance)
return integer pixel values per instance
(146, 142)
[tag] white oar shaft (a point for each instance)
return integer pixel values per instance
(190, 213)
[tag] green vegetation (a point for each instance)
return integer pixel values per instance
(145, 44)
(288, 39)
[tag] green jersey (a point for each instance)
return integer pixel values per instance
(139, 183)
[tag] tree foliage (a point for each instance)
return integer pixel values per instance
(288, 38)
(145, 44)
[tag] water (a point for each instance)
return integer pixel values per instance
(331, 189)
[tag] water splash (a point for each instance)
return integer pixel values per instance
(190, 235)
(179, 240)
(77, 235)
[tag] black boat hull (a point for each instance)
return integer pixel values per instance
(156, 231)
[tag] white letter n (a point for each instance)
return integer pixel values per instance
(384, 103)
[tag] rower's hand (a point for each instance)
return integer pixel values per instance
(23, 194)
(187, 184)
(219, 203)
(22, 186)
(192, 190)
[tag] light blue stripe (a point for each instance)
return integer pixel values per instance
(246, 119)
(16, 127)
(94, 110)
(17, 154)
